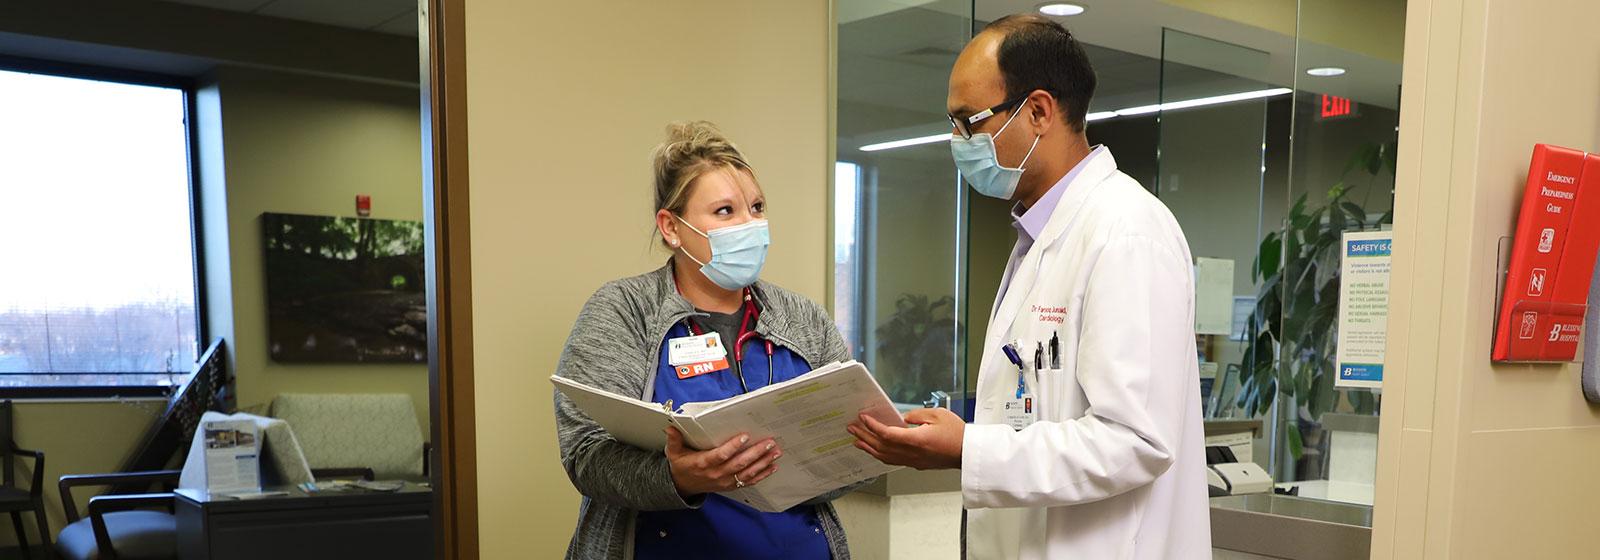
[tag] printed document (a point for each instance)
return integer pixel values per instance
(806, 416)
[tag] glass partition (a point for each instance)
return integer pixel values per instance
(1215, 99)
(1346, 118)
(1268, 129)
(898, 236)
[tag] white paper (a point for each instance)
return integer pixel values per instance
(1243, 308)
(233, 456)
(806, 416)
(1363, 308)
(1208, 379)
(1242, 444)
(1213, 295)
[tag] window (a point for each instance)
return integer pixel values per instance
(847, 252)
(98, 283)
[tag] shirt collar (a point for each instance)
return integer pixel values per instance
(1031, 221)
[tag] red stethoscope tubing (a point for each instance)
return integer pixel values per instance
(746, 333)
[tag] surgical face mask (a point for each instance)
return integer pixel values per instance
(980, 164)
(737, 253)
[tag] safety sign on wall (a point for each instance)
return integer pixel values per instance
(1552, 258)
(1363, 308)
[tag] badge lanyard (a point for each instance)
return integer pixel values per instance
(747, 332)
(1018, 412)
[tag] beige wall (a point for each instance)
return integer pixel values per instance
(565, 102)
(1478, 460)
(1370, 27)
(306, 145)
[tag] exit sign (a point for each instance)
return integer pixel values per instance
(1334, 107)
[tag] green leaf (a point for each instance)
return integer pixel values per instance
(1270, 257)
(1265, 396)
(1323, 393)
(1355, 212)
(1337, 191)
(1368, 158)
(1302, 382)
(1299, 208)
(1296, 448)
(1336, 217)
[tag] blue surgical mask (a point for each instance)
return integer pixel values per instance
(980, 164)
(737, 253)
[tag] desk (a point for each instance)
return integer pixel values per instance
(390, 525)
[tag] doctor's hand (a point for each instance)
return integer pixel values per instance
(936, 444)
(725, 467)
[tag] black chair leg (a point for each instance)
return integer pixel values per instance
(22, 534)
(44, 530)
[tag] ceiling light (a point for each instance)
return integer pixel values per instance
(1098, 115)
(1060, 9)
(929, 139)
(1201, 102)
(1325, 71)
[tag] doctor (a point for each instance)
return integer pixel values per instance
(1087, 441)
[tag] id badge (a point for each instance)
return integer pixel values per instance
(691, 356)
(1019, 412)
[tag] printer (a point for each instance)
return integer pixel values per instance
(1226, 476)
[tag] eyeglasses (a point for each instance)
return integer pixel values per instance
(964, 126)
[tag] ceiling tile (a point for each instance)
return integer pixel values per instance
(403, 25)
(229, 5)
(360, 14)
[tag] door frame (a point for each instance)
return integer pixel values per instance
(446, 228)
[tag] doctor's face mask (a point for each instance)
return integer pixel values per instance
(977, 159)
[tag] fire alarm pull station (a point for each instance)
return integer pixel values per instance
(363, 205)
(1546, 289)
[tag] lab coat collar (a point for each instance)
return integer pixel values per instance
(1032, 221)
(1095, 169)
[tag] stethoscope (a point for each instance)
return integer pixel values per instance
(746, 333)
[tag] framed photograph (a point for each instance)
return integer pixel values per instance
(343, 290)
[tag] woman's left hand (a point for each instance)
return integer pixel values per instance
(722, 468)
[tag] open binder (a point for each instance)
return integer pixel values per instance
(806, 416)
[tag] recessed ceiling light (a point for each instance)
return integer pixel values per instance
(1060, 9)
(1325, 71)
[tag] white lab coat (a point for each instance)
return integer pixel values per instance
(1114, 468)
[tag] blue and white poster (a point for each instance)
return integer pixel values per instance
(1363, 308)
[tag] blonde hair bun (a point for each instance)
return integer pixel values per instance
(691, 149)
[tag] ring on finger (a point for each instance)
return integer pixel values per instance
(737, 483)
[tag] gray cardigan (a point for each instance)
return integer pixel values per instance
(616, 346)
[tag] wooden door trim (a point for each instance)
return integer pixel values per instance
(449, 286)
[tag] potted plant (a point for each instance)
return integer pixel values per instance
(917, 345)
(1290, 336)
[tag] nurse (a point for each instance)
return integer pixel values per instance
(1087, 439)
(703, 327)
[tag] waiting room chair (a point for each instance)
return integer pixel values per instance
(379, 432)
(120, 526)
(15, 500)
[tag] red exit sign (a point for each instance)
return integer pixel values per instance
(1334, 106)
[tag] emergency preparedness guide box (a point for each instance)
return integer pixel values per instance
(1557, 235)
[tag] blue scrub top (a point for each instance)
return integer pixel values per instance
(723, 528)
